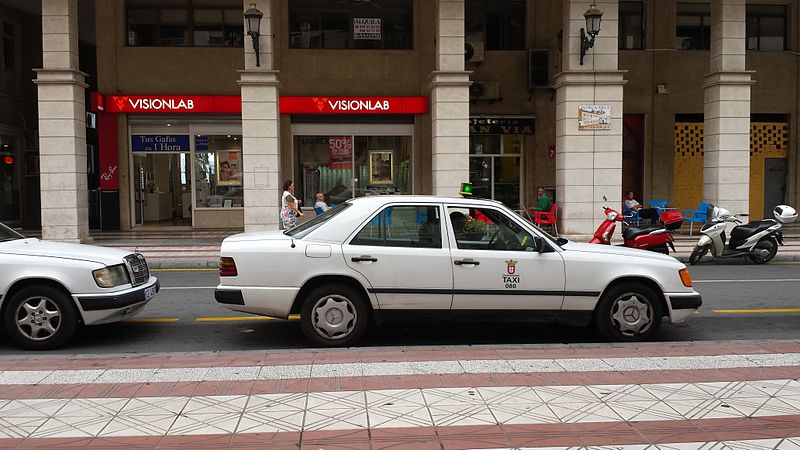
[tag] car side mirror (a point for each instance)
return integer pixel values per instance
(538, 244)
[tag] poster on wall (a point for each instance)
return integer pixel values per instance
(229, 168)
(366, 28)
(381, 169)
(594, 117)
(340, 152)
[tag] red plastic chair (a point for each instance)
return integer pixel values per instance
(546, 218)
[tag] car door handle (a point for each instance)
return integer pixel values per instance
(461, 262)
(363, 258)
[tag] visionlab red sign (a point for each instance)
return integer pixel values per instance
(353, 105)
(222, 104)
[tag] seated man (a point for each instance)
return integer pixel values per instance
(630, 204)
(543, 203)
(321, 202)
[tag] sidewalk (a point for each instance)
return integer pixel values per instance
(683, 395)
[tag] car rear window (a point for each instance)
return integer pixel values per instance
(300, 231)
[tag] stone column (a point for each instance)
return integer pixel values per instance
(726, 174)
(449, 101)
(260, 128)
(588, 163)
(62, 126)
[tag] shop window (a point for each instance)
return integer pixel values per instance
(9, 47)
(498, 24)
(377, 24)
(693, 26)
(344, 167)
(766, 27)
(202, 23)
(218, 171)
(631, 25)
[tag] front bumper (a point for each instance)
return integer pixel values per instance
(683, 305)
(111, 307)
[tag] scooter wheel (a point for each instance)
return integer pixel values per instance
(770, 245)
(697, 254)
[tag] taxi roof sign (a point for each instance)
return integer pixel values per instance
(466, 189)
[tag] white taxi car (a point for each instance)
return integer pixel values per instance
(383, 257)
(48, 288)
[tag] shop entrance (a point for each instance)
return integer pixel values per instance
(162, 189)
(495, 168)
(345, 161)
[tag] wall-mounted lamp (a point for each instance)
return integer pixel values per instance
(593, 17)
(253, 17)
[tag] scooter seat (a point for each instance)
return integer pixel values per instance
(742, 232)
(633, 232)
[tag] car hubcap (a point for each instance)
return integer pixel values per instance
(630, 315)
(334, 317)
(38, 318)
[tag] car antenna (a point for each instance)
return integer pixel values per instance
(293, 243)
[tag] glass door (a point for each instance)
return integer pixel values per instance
(495, 168)
(161, 182)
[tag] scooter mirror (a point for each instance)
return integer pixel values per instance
(605, 199)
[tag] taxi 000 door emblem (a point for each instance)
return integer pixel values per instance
(511, 280)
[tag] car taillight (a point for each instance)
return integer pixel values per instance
(227, 267)
(686, 279)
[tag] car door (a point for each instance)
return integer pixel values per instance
(400, 251)
(496, 265)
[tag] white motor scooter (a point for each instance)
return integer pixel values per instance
(757, 240)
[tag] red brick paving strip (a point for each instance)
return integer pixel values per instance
(339, 384)
(282, 358)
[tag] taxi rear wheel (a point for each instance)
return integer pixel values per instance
(334, 316)
(40, 318)
(628, 312)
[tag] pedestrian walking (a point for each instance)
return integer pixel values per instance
(289, 211)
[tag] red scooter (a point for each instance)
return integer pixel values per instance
(654, 237)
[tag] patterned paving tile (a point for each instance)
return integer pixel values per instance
(219, 423)
(31, 408)
(221, 404)
(518, 394)
(271, 420)
(399, 416)
(336, 400)
(71, 426)
(452, 397)
(335, 419)
(20, 427)
(462, 414)
(709, 408)
(154, 406)
(565, 394)
(400, 398)
(584, 412)
(92, 407)
(139, 425)
(615, 393)
(635, 411)
(522, 413)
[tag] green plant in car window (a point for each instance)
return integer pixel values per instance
(475, 226)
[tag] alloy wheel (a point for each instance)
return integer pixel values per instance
(334, 317)
(630, 315)
(38, 318)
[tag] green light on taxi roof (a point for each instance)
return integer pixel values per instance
(466, 189)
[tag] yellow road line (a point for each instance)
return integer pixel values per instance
(240, 318)
(745, 311)
(153, 320)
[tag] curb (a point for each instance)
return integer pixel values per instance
(707, 260)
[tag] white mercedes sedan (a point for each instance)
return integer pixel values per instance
(48, 288)
(420, 257)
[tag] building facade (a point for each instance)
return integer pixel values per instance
(680, 101)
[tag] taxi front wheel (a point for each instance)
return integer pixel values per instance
(334, 316)
(628, 312)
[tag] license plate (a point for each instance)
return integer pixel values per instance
(149, 292)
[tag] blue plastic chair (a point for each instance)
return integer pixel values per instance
(699, 215)
(630, 215)
(659, 205)
(318, 210)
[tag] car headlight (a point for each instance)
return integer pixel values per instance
(111, 276)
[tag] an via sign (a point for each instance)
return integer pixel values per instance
(160, 142)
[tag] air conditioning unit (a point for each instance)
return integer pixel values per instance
(473, 48)
(485, 90)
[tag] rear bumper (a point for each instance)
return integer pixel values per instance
(265, 301)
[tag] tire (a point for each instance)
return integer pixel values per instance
(697, 254)
(334, 316)
(629, 312)
(767, 243)
(31, 312)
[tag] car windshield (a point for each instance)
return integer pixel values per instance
(7, 234)
(302, 231)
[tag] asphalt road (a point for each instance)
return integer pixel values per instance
(184, 317)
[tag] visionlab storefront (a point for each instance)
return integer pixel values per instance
(172, 160)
